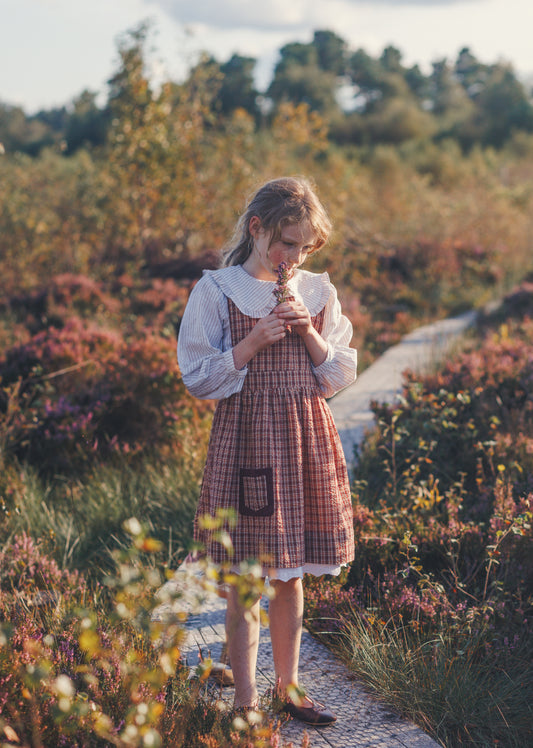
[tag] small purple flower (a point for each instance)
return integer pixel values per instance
(281, 291)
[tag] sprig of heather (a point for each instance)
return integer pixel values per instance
(281, 290)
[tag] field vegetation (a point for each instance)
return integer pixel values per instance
(435, 612)
(108, 216)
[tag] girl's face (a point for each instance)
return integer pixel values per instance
(295, 243)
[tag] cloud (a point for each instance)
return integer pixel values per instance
(226, 14)
(276, 14)
(411, 2)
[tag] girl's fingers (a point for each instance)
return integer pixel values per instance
(269, 329)
(272, 322)
(295, 315)
(291, 308)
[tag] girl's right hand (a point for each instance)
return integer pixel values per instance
(266, 331)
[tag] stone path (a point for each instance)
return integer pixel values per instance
(383, 380)
(361, 721)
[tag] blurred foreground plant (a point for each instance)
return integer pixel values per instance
(98, 666)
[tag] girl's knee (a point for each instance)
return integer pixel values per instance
(286, 587)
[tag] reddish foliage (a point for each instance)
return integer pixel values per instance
(88, 390)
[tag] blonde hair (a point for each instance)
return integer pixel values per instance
(278, 203)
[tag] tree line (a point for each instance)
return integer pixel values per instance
(363, 99)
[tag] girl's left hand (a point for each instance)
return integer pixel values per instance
(295, 314)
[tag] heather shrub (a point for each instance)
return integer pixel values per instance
(158, 301)
(131, 299)
(64, 295)
(446, 474)
(82, 392)
(26, 570)
(458, 424)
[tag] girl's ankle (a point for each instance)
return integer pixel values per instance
(246, 707)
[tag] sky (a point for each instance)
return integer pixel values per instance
(52, 50)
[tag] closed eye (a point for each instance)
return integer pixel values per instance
(307, 249)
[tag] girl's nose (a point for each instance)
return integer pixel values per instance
(297, 255)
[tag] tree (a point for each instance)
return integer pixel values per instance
(130, 94)
(237, 88)
(377, 79)
(449, 98)
(139, 149)
(391, 60)
(164, 157)
(331, 52)
(311, 73)
(470, 73)
(418, 83)
(399, 119)
(296, 53)
(55, 119)
(503, 106)
(18, 132)
(87, 124)
(305, 84)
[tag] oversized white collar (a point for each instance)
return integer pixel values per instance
(255, 298)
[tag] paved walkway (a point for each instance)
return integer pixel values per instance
(362, 722)
(383, 380)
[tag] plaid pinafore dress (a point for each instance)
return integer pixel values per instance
(275, 457)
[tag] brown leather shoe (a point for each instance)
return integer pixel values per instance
(221, 674)
(317, 714)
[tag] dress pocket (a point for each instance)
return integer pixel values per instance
(256, 492)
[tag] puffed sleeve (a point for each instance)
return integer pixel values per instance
(340, 367)
(205, 354)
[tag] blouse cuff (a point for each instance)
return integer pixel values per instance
(324, 365)
(229, 365)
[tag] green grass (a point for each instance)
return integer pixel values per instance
(82, 517)
(448, 684)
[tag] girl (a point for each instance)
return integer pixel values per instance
(274, 453)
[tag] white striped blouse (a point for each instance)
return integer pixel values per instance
(205, 353)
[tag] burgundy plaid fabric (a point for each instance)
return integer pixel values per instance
(275, 456)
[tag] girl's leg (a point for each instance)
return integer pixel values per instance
(286, 615)
(242, 635)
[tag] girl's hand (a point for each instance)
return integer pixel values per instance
(295, 314)
(266, 331)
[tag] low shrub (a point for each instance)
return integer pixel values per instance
(82, 392)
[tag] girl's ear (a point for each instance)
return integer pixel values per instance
(254, 226)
